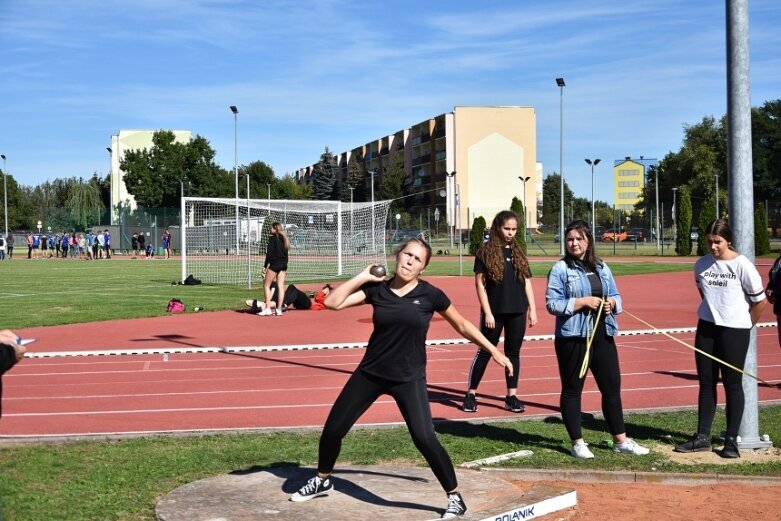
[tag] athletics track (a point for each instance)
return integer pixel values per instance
(232, 371)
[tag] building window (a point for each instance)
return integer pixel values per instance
(628, 172)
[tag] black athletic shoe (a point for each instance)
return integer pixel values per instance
(697, 443)
(455, 506)
(730, 449)
(513, 404)
(470, 403)
(315, 487)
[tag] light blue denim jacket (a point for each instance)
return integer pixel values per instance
(565, 284)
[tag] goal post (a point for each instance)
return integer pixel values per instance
(327, 238)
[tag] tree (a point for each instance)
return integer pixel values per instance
(85, 204)
(683, 223)
(261, 176)
(707, 215)
(551, 195)
(289, 188)
(761, 235)
(476, 235)
(392, 187)
(354, 181)
(517, 206)
(324, 176)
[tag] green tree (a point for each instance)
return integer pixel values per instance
(476, 235)
(289, 188)
(392, 187)
(683, 223)
(324, 176)
(354, 181)
(551, 195)
(761, 235)
(261, 177)
(85, 204)
(517, 206)
(707, 215)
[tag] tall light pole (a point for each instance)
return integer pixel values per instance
(525, 210)
(374, 233)
(675, 221)
(717, 195)
(452, 177)
(236, 167)
(658, 239)
(352, 214)
(593, 164)
(111, 192)
(561, 84)
(268, 185)
(5, 197)
(249, 257)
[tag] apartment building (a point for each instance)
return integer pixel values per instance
(458, 165)
(629, 177)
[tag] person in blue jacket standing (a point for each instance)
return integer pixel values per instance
(583, 296)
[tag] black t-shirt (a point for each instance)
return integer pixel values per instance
(296, 298)
(509, 294)
(397, 346)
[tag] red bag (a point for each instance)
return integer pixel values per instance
(175, 306)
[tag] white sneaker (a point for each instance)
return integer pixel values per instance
(266, 313)
(630, 446)
(581, 451)
(278, 312)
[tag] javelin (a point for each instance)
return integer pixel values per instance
(584, 367)
(719, 360)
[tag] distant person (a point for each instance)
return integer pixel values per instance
(504, 291)
(30, 245)
(150, 252)
(134, 245)
(166, 240)
(10, 353)
(9, 243)
(64, 244)
(101, 244)
(107, 241)
(733, 299)
(2, 248)
(142, 244)
(583, 296)
(773, 292)
(275, 268)
(394, 363)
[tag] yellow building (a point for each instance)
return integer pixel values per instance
(629, 181)
(474, 154)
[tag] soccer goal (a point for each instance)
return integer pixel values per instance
(327, 238)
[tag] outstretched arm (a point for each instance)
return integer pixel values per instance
(349, 294)
(469, 331)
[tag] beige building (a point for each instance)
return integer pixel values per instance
(474, 155)
(120, 144)
(629, 175)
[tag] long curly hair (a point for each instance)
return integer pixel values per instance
(492, 252)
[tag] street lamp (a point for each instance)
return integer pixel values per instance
(452, 178)
(374, 233)
(236, 167)
(5, 196)
(249, 257)
(525, 210)
(658, 239)
(717, 195)
(675, 221)
(593, 164)
(561, 85)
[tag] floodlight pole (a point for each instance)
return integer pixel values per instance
(236, 167)
(374, 233)
(5, 196)
(525, 209)
(561, 84)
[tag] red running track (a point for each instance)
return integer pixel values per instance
(252, 388)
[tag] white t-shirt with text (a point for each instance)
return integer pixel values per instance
(728, 288)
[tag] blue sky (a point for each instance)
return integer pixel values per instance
(309, 74)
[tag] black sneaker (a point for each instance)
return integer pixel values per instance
(513, 404)
(730, 449)
(697, 443)
(315, 487)
(470, 403)
(455, 506)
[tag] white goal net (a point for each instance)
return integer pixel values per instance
(327, 238)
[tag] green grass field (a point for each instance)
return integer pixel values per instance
(56, 291)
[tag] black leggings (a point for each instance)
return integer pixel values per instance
(514, 325)
(362, 390)
(731, 345)
(604, 366)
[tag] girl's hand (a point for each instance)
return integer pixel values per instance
(502, 360)
(367, 275)
(489, 321)
(532, 317)
(607, 306)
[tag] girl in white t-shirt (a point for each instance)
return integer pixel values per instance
(733, 298)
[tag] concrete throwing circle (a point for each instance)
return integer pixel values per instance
(371, 492)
